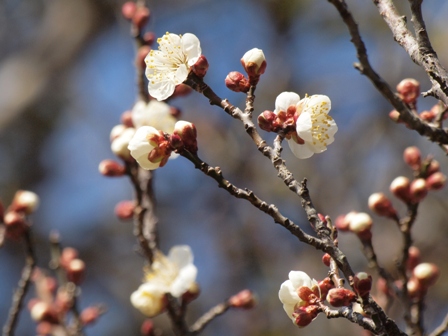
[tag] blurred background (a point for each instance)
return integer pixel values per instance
(67, 74)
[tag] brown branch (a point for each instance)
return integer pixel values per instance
(23, 286)
(412, 121)
(209, 316)
(177, 316)
(349, 314)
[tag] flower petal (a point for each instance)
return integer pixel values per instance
(300, 151)
(288, 296)
(285, 100)
(318, 103)
(181, 255)
(299, 279)
(161, 89)
(304, 126)
(148, 298)
(191, 48)
(184, 281)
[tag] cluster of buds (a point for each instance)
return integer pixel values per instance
(359, 223)
(423, 276)
(282, 121)
(137, 14)
(53, 302)
(15, 217)
(254, 63)
(243, 300)
(434, 113)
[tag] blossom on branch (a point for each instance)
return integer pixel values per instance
(174, 274)
(170, 64)
(154, 113)
(299, 295)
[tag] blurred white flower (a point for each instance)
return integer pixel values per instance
(169, 66)
(148, 148)
(156, 114)
(288, 293)
(120, 142)
(174, 274)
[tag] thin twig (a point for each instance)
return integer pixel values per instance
(23, 286)
(209, 316)
(441, 329)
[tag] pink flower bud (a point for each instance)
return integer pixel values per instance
(342, 222)
(307, 294)
(415, 289)
(75, 271)
(339, 297)
(254, 63)
(433, 167)
(90, 315)
(412, 157)
(326, 258)
(64, 300)
(381, 205)
(44, 328)
(325, 285)
(362, 283)
(413, 258)
(426, 274)
(305, 315)
(68, 254)
(182, 90)
(237, 82)
(409, 90)
(200, 67)
(128, 10)
(149, 38)
(436, 181)
(43, 312)
(147, 328)
(394, 116)
(361, 223)
(116, 131)
(24, 201)
(175, 112)
(141, 17)
(428, 116)
(187, 132)
(418, 190)
(266, 121)
(15, 225)
(400, 187)
(244, 299)
(125, 210)
(126, 118)
(111, 168)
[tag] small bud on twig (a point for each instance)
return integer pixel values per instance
(412, 157)
(237, 82)
(340, 297)
(381, 205)
(111, 168)
(409, 90)
(362, 283)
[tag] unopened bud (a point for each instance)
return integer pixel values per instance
(43, 312)
(415, 289)
(381, 205)
(361, 223)
(128, 10)
(68, 254)
(149, 38)
(119, 145)
(200, 67)
(75, 271)
(413, 258)
(254, 63)
(400, 188)
(394, 116)
(125, 210)
(90, 315)
(126, 118)
(182, 90)
(362, 283)
(325, 285)
(340, 297)
(140, 17)
(409, 90)
(175, 112)
(342, 222)
(303, 316)
(111, 168)
(426, 274)
(187, 132)
(116, 131)
(244, 299)
(436, 181)
(44, 328)
(418, 190)
(326, 258)
(433, 167)
(147, 328)
(427, 116)
(15, 225)
(266, 121)
(237, 82)
(25, 201)
(412, 157)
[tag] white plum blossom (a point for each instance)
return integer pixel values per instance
(314, 128)
(170, 64)
(154, 113)
(142, 144)
(288, 294)
(174, 274)
(254, 62)
(120, 141)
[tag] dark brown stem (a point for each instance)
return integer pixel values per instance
(177, 316)
(22, 287)
(435, 134)
(209, 316)
(350, 315)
